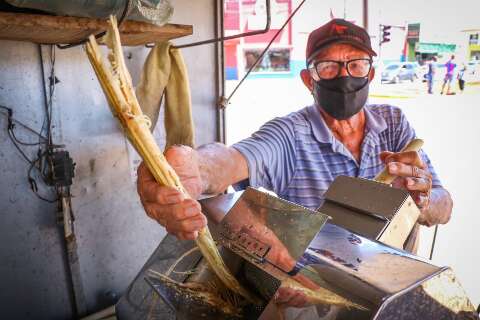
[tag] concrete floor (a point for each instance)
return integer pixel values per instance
(448, 124)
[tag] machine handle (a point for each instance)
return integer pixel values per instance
(387, 178)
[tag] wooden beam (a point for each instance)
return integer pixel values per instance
(47, 29)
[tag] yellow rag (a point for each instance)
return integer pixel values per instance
(165, 74)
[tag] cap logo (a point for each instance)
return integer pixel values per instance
(337, 29)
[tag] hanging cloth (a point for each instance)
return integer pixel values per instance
(164, 74)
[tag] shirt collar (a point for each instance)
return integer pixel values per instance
(375, 123)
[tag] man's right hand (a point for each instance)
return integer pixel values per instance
(180, 216)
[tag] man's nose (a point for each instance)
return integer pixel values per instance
(343, 71)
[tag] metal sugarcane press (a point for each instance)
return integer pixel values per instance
(266, 240)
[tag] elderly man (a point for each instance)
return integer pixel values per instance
(299, 155)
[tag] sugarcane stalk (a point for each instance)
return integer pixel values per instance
(320, 295)
(117, 85)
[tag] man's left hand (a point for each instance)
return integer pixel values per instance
(413, 175)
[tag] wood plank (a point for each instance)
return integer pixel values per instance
(46, 29)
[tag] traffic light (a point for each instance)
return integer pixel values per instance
(385, 33)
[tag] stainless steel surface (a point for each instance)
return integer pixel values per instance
(269, 229)
(362, 205)
(361, 266)
(441, 296)
(390, 283)
(366, 196)
(375, 275)
(216, 207)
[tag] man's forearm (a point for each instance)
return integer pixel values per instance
(220, 166)
(440, 208)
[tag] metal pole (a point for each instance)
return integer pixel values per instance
(379, 42)
(220, 70)
(365, 14)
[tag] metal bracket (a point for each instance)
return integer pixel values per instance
(254, 248)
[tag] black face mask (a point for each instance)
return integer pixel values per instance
(341, 97)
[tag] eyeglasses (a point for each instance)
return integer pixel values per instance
(329, 69)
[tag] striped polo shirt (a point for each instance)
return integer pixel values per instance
(297, 156)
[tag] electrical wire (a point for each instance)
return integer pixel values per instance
(13, 122)
(40, 167)
(37, 162)
(48, 96)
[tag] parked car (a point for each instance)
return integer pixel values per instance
(396, 72)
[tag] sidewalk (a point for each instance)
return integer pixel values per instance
(407, 89)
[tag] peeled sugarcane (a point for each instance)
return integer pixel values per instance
(320, 295)
(117, 86)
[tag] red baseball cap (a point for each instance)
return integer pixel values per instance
(337, 31)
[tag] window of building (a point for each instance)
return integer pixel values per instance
(275, 60)
(474, 38)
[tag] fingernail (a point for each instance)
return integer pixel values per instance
(410, 182)
(204, 221)
(393, 167)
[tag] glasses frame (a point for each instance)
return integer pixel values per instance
(314, 72)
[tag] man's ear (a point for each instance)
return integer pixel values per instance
(371, 75)
(307, 79)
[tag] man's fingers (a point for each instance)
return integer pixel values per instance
(186, 210)
(283, 295)
(151, 191)
(422, 200)
(179, 211)
(188, 225)
(178, 155)
(290, 298)
(187, 235)
(404, 170)
(424, 221)
(158, 212)
(384, 155)
(299, 300)
(183, 220)
(409, 157)
(418, 184)
(143, 173)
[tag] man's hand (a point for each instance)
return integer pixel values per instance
(287, 297)
(168, 206)
(290, 297)
(413, 175)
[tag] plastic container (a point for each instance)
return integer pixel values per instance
(153, 11)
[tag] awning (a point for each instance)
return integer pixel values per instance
(424, 47)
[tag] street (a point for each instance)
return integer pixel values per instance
(448, 124)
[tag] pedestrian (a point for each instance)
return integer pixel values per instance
(450, 66)
(432, 66)
(461, 81)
